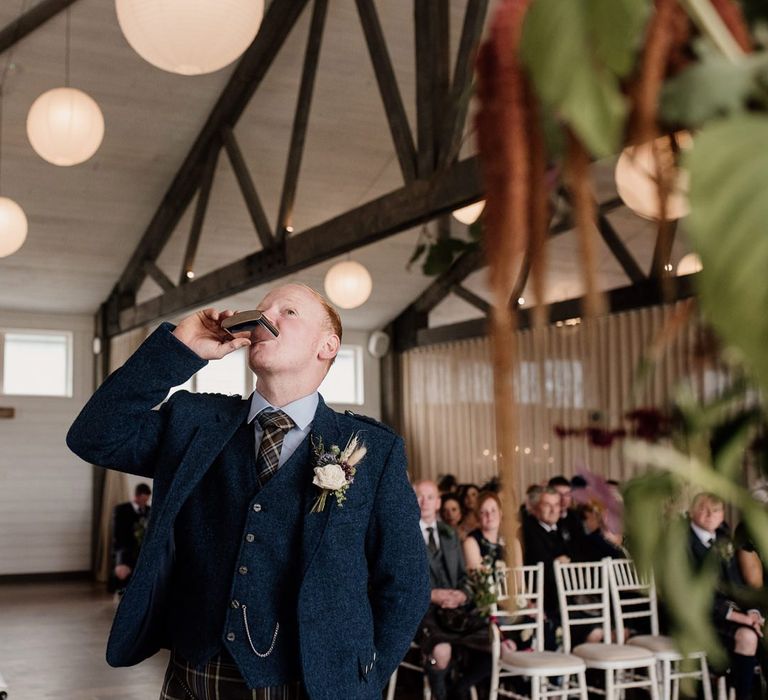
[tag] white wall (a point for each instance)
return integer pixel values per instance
(371, 380)
(45, 491)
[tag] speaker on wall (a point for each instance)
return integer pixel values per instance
(378, 344)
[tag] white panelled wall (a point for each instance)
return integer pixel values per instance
(45, 491)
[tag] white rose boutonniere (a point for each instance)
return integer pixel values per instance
(335, 470)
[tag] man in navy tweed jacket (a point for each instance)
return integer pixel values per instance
(236, 571)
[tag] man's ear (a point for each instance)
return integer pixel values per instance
(329, 347)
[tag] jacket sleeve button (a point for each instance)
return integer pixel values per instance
(231, 637)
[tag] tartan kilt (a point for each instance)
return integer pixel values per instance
(219, 680)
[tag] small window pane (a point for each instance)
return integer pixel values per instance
(344, 382)
(224, 376)
(36, 364)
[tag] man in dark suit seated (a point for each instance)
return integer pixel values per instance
(739, 630)
(284, 551)
(543, 541)
(448, 579)
(570, 524)
(129, 523)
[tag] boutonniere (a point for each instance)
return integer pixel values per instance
(724, 549)
(335, 470)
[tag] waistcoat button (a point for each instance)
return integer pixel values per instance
(257, 507)
(243, 570)
(231, 637)
(235, 604)
(250, 537)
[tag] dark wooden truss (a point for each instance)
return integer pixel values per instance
(435, 182)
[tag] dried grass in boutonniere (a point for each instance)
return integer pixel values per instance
(335, 470)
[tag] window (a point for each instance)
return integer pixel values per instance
(344, 382)
(229, 375)
(36, 363)
(563, 383)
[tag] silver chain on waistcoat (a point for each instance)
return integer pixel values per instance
(265, 654)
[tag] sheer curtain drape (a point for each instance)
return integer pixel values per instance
(575, 375)
(115, 488)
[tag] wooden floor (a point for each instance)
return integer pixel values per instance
(52, 642)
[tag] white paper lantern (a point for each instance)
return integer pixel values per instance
(689, 264)
(636, 179)
(190, 37)
(471, 213)
(65, 126)
(348, 284)
(13, 227)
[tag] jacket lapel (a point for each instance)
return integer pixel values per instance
(207, 442)
(325, 427)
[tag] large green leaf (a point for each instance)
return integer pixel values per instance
(716, 87)
(617, 31)
(575, 52)
(728, 223)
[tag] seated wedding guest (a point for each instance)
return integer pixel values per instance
(450, 510)
(447, 484)
(468, 495)
(543, 541)
(484, 544)
(751, 562)
(739, 630)
(570, 523)
(129, 522)
(448, 580)
(598, 541)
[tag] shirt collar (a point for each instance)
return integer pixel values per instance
(548, 527)
(705, 536)
(301, 411)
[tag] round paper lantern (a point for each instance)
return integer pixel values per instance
(65, 126)
(689, 264)
(348, 284)
(471, 213)
(13, 227)
(636, 178)
(189, 37)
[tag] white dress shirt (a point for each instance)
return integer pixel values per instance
(425, 534)
(301, 411)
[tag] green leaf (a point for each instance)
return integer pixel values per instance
(728, 168)
(575, 67)
(617, 29)
(715, 87)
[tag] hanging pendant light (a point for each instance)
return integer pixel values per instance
(13, 227)
(471, 213)
(637, 176)
(65, 126)
(189, 37)
(689, 264)
(348, 284)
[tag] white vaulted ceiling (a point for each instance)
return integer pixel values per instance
(85, 221)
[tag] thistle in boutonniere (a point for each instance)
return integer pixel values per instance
(335, 470)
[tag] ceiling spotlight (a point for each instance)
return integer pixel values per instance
(668, 267)
(190, 274)
(521, 301)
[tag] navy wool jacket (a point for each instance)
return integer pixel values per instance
(348, 585)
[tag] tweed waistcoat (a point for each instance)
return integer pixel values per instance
(237, 576)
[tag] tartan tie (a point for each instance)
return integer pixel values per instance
(275, 425)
